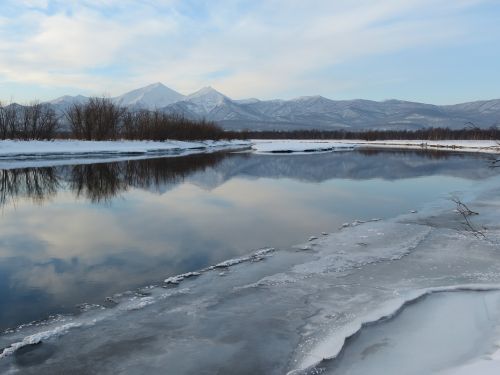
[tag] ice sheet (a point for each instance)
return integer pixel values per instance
(445, 329)
(281, 313)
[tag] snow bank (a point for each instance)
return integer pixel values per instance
(298, 146)
(65, 149)
(303, 146)
(14, 149)
(491, 147)
(332, 346)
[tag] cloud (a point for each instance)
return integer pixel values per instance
(264, 48)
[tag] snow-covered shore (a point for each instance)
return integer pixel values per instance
(13, 149)
(32, 154)
(304, 145)
(491, 147)
(298, 146)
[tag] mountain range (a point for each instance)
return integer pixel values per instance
(307, 112)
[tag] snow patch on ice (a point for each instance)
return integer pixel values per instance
(177, 279)
(331, 346)
(355, 223)
(258, 255)
(338, 253)
(40, 336)
(138, 303)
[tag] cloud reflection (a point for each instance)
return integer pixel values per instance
(73, 234)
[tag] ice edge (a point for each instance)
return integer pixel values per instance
(331, 347)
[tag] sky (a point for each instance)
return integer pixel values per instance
(433, 51)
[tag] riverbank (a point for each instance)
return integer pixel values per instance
(11, 149)
(304, 146)
(15, 149)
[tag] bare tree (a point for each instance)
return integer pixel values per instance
(97, 119)
(8, 121)
(160, 126)
(36, 121)
(75, 117)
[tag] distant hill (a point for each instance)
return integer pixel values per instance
(308, 112)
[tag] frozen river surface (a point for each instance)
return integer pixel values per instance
(398, 278)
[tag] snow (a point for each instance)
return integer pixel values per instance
(68, 100)
(255, 257)
(298, 146)
(444, 145)
(416, 336)
(479, 367)
(339, 253)
(206, 99)
(40, 150)
(38, 337)
(152, 96)
(258, 255)
(304, 145)
(18, 152)
(177, 279)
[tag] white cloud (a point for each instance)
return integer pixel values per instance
(260, 48)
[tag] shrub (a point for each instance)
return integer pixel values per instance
(98, 119)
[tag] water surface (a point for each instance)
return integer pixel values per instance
(78, 233)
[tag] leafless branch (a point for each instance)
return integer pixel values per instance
(466, 213)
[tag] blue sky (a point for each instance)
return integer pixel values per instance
(435, 51)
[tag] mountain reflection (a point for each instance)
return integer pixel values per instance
(423, 154)
(102, 181)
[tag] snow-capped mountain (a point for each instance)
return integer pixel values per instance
(207, 99)
(307, 112)
(210, 104)
(152, 96)
(68, 99)
(64, 102)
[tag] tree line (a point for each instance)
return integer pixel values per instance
(469, 132)
(34, 121)
(100, 119)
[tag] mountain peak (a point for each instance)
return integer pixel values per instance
(153, 96)
(155, 86)
(68, 100)
(207, 99)
(206, 91)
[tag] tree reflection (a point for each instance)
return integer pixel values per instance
(102, 181)
(97, 182)
(38, 184)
